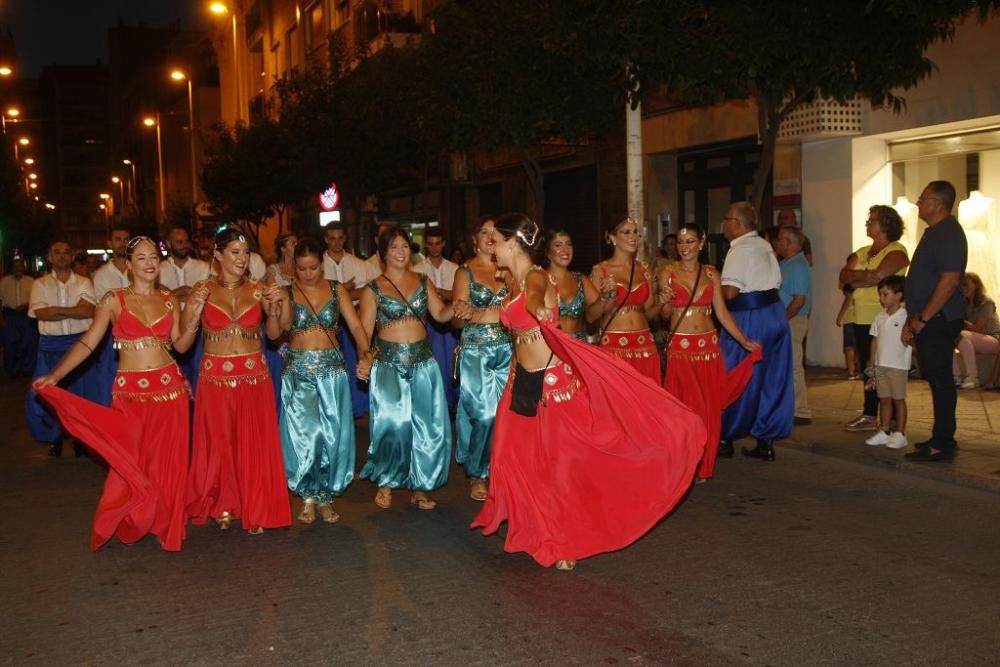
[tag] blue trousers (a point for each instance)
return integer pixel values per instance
(42, 423)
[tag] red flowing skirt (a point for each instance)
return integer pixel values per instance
(236, 463)
(635, 348)
(143, 437)
(607, 456)
(696, 374)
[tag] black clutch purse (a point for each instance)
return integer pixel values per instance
(526, 392)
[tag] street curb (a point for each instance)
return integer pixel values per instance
(938, 472)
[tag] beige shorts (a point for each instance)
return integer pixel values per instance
(891, 382)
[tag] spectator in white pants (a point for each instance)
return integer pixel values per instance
(796, 294)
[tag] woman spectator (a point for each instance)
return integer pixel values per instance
(980, 334)
(282, 271)
(236, 467)
(579, 301)
(625, 284)
(863, 270)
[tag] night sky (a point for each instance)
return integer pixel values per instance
(76, 31)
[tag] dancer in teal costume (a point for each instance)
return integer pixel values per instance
(483, 360)
(316, 422)
(579, 301)
(410, 431)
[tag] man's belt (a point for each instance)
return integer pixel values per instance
(752, 300)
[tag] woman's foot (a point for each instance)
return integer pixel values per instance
(384, 498)
(422, 501)
(256, 531)
(308, 513)
(327, 514)
(478, 489)
(225, 520)
(565, 565)
(701, 480)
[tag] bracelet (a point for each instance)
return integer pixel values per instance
(80, 341)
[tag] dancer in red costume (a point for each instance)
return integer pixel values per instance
(626, 287)
(696, 371)
(583, 461)
(144, 434)
(237, 470)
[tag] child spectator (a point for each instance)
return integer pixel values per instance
(890, 363)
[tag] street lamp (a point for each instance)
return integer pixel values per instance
(155, 122)
(13, 112)
(121, 190)
(132, 185)
(33, 177)
(178, 75)
(220, 9)
(5, 70)
(29, 161)
(49, 206)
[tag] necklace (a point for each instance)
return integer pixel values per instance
(234, 294)
(236, 283)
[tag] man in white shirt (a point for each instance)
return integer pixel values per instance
(18, 334)
(182, 269)
(113, 275)
(441, 272)
(750, 281)
(63, 303)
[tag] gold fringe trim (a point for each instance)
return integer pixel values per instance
(532, 335)
(694, 356)
(144, 343)
(401, 320)
(630, 307)
(152, 396)
(564, 394)
(313, 327)
(216, 335)
(629, 353)
(233, 381)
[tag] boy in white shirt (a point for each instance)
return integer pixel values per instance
(890, 359)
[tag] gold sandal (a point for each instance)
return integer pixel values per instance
(565, 565)
(327, 514)
(478, 489)
(422, 501)
(384, 498)
(308, 513)
(225, 520)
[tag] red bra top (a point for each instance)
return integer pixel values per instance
(217, 319)
(640, 289)
(129, 327)
(514, 315)
(682, 295)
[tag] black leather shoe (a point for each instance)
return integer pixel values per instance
(56, 449)
(926, 455)
(725, 449)
(764, 450)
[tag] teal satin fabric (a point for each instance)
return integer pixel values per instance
(409, 424)
(484, 365)
(316, 424)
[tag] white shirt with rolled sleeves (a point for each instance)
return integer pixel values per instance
(751, 265)
(48, 291)
(348, 268)
(173, 276)
(15, 293)
(442, 276)
(107, 278)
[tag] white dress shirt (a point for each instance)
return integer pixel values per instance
(279, 278)
(107, 278)
(751, 265)
(173, 276)
(258, 269)
(15, 293)
(349, 268)
(48, 291)
(442, 276)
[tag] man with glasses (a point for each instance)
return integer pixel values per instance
(750, 281)
(936, 309)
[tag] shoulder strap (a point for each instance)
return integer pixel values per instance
(694, 290)
(628, 291)
(313, 309)
(403, 298)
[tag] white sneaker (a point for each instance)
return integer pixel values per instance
(896, 441)
(969, 383)
(880, 438)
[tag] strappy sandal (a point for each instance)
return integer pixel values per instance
(565, 565)
(308, 513)
(327, 514)
(224, 520)
(384, 498)
(478, 489)
(422, 502)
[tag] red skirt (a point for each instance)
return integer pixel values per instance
(236, 463)
(143, 437)
(607, 456)
(635, 348)
(696, 374)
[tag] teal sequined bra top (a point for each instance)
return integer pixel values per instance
(393, 310)
(326, 317)
(574, 307)
(481, 296)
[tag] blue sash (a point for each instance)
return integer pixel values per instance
(752, 300)
(41, 422)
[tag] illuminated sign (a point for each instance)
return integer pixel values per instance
(326, 217)
(329, 198)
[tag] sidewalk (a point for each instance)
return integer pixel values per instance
(834, 400)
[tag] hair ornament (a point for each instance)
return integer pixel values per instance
(135, 241)
(527, 238)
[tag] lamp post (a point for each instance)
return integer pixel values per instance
(219, 9)
(150, 121)
(132, 185)
(178, 76)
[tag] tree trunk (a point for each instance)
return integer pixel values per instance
(768, 122)
(536, 181)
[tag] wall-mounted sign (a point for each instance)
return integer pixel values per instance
(329, 198)
(326, 217)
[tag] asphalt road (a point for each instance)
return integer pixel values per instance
(806, 561)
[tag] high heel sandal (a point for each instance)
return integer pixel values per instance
(384, 498)
(308, 513)
(327, 514)
(422, 501)
(478, 489)
(565, 565)
(224, 520)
